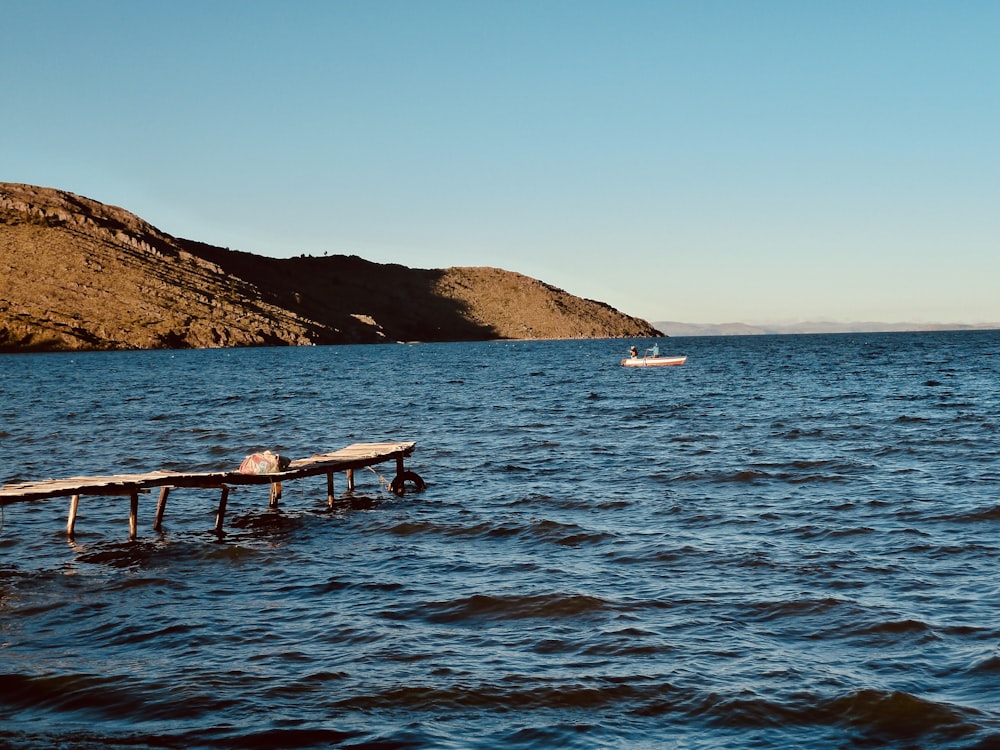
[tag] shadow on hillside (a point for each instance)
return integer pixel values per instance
(340, 292)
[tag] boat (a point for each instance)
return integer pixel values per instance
(653, 361)
(652, 358)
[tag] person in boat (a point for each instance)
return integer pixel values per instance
(633, 352)
(656, 350)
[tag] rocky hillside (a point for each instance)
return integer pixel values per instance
(79, 274)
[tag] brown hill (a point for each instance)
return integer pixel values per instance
(79, 274)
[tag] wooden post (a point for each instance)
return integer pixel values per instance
(74, 504)
(350, 480)
(399, 465)
(220, 517)
(161, 506)
(329, 489)
(275, 495)
(133, 514)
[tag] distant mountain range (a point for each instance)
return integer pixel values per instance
(673, 328)
(77, 274)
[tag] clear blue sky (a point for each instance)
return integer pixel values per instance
(700, 161)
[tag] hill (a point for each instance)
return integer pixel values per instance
(77, 274)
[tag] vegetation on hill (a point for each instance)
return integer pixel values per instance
(78, 274)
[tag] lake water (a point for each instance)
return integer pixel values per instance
(789, 541)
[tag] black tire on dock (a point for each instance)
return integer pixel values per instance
(398, 485)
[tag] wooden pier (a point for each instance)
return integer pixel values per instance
(347, 460)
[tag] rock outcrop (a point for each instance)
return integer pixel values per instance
(78, 274)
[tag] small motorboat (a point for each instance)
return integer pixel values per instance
(653, 361)
(652, 358)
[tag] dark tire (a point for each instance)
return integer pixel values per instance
(398, 485)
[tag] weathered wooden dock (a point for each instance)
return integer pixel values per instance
(347, 460)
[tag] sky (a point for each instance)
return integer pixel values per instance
(709, 161)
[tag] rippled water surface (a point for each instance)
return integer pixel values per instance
(788, 541)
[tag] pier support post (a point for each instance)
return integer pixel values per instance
(220, 516)
(275, 495)
(74, 504)
(329, 490)
(350, 480)
(161, 506)
(133, 514)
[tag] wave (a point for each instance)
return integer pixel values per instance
(978, 516)
(101, 697)
(772, 610)
(554, 532)
(623, 710)
(989, 665)
(895, 715)
(757, 475)
(910, 631)
(486, 607)
(513, 694)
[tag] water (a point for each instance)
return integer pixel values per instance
(788, 541)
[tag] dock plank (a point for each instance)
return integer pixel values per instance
(356, 456)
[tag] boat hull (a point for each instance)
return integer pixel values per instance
(653, 361)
